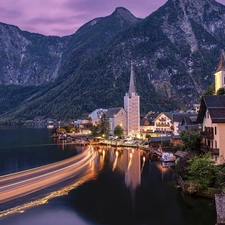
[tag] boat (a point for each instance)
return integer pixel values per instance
(168, 157)
(62, 137)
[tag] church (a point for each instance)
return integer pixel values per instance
(132, 107)
(129, 116)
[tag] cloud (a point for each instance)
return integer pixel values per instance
(64, 17)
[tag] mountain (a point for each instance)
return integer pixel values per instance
(174, 50)
(29, 59)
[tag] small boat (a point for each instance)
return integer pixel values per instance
(62, 137)
(168, 157)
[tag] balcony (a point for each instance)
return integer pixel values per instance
(162, 119)
(213, 151)
(207, 135)
(162, 124)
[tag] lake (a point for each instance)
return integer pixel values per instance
(121, 186)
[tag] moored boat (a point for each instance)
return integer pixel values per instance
(62, 137)
(168, 157)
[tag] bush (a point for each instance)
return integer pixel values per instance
(201, 171)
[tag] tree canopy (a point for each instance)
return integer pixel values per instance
(191, 140)
(102, 128)
(201, 170)
(220, 91)
(118, 131)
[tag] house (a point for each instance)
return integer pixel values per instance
(83, 125)
(95, 116)
(182, 121)
(163, 122)
(189, 122)
(146, 126)
(117, 117)
(212, 117)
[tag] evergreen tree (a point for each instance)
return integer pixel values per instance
(118, 131)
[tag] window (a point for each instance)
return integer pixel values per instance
(215, 131)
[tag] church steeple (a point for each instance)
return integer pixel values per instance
(132, 107)
(221, 66)
(132, 88)
(220, 73)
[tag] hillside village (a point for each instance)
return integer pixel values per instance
(208, 117)
(156, 128)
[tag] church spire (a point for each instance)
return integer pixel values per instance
(221, 66)
(132, 88)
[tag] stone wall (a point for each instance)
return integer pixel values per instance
(220, 208)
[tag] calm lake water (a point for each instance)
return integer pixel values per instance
(122, 186)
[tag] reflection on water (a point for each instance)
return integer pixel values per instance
(148, 197)
(121, 186)
(88, 174)
(27, 148)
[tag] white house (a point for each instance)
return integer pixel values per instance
(96, 115)
(212, 117)
(163, 122)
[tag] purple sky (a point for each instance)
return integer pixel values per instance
(64, 17)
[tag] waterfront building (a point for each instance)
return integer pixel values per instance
(212, 117)
(117, 117)
(146, 126)
(96, 115)
(163, 122)
(132, 107)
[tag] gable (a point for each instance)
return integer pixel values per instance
(215, 105)
(163, 117)
(112, 112)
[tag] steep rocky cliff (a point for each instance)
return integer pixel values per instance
(29, 59)
(175, 51)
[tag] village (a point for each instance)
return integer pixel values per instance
(156, 128)
(163, 131)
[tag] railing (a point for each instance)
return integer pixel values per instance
(213, 151)
(162, 125)
(207, 135)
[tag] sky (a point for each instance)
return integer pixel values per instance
(64, 17)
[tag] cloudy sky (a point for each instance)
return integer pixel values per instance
(64, 17)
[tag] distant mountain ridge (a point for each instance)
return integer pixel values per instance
(175, 51)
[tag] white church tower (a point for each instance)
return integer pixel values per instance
(220, 74)
(132, 107)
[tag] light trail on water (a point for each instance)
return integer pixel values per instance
(26, 182)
